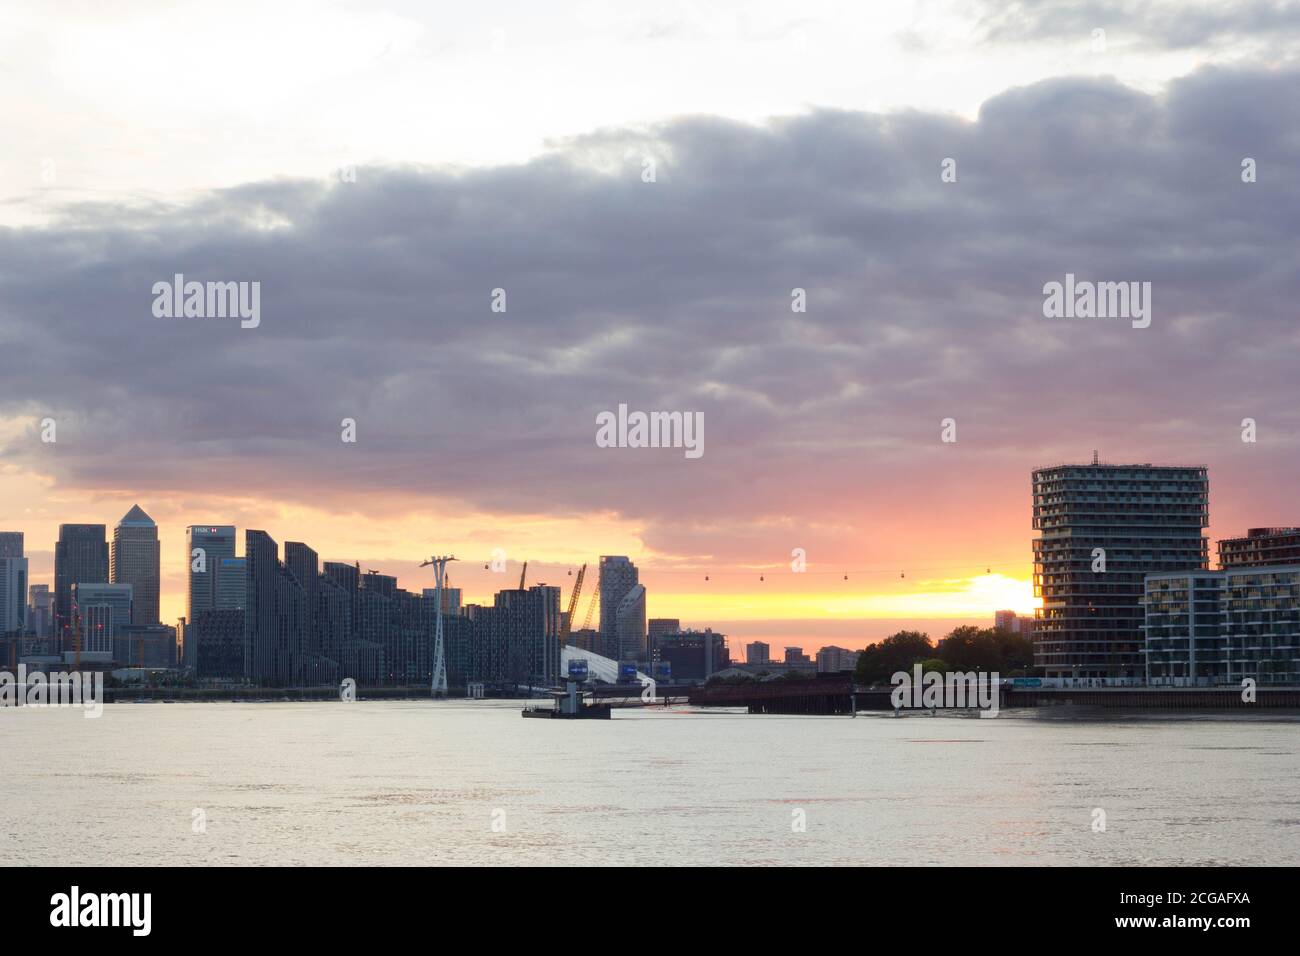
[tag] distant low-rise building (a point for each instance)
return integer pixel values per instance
(757, 652)
(693, 655)
(832, 659)
(1014, 623)
(658, 628)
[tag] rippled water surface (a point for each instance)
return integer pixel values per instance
(472, 782)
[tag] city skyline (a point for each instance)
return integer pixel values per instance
(825, 269)
(724, 584)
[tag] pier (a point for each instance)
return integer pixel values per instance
(842, 696)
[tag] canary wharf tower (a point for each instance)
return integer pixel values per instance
(1103, 529)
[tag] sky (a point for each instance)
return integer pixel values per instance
(381, 168)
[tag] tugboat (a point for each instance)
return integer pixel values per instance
(570, 704)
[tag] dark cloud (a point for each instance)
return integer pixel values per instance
(924, 302)
(1166, 24)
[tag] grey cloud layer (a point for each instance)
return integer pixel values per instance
(924, 302)
(1163, 24)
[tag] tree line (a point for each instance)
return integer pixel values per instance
(966, 648)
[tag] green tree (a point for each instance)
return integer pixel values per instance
(970, 648)
(898, 652)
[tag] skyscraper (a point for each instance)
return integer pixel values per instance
(40, 618)
(80, 557)
(11, 544)
(13, 583)
(134, 560)
(618, 576)
(205, 546)
(275, 615)
(1104, 528)
(232, 585)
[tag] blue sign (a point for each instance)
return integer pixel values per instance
(627, 671)
(663, 671)
(578, 669)
(1026, 682)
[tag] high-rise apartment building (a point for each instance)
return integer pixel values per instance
(451, 599)
(758, 652)
(618, 576)
(1261, 546)
(205, 547)
(630, 626)
(1103, 529)
(275, 615)
(13, 583)
(80, 557)
(134, 560)
(513, 643)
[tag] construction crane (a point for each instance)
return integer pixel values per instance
(566, 621)
(591, 605)
(522, 574)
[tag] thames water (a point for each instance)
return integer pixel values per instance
(470, 782)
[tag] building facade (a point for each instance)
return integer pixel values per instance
(80, 557)
(134, 560)
(691, 655)
(1220, 627)
(630, 626)
(102, 612)
(1013, 622)
(658, 628)
(832, 660)
(1261, 546)
(618, 576)
(40, 611)
(205, 548)
(232, 584)
(1104, 528)
(758, 652)
(217, 653)
(13, 583)
(11, 544)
